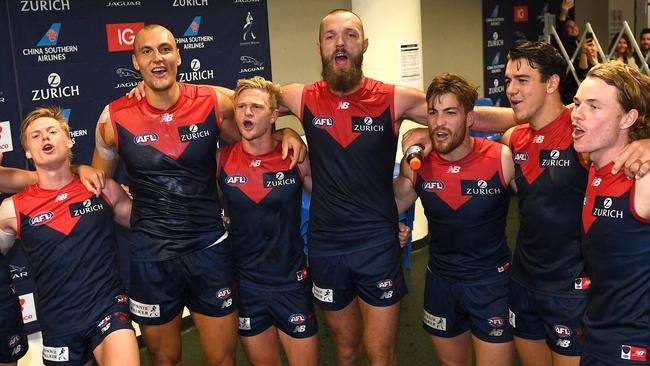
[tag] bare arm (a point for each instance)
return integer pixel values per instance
(635, 158)
(403, 189)
(493, 119)
(410, 104)
(508, 167)
(13, 180)
(105, 154)
(642, 197)
(8, 225)
(305, 170)
(228, 128)
(120, 201)
(290, 99)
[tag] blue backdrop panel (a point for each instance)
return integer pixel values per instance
(504, 23)
(77, 54)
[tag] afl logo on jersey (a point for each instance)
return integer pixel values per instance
(147, 138)
(520, 157)
(41, 218)
(433, 186)
(236, 180)
(323, 122)
(297, 318)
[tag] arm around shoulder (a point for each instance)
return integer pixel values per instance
(410, 104)
(291, 99)
(403, 187)
(105, 154)
(120, 201)
(642, 197)
(507, 166)
(228, 128)
(305, 171)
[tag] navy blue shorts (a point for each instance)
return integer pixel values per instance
(291, 311)
(203, 281)
(451, 309)
(77, 348)
(13, 339)
(553, 317)
(374, 274)
(627, 359)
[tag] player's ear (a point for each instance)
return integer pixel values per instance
(629, 119)
(274, 115)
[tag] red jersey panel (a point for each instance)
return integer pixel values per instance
(263, 198)
(616, 248)
(69, 239)
(352, 146)
(170, 161)
(466, 204)
(551, 179)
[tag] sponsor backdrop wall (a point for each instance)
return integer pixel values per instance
(504, 23)
(77, 54)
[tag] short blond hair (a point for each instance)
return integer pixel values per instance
(632, 90)
(53, 112)
(258, 82)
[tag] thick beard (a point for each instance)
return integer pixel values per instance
(346, 80)
(449, 147)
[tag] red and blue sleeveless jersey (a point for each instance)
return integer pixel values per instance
(616, 249)
(551, 178)
(170, 160)
(466, 205)
(263, 197)
(352, 143)
(68, 236)
(6, 294)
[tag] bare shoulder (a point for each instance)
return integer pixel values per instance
(8, 222)
(7, 208)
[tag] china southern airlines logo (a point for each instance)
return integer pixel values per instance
(50, 37)
(193, 28)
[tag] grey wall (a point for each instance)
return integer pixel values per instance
(293, 29)
(452, 39)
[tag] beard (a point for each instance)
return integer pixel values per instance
(342, 81)
(450, 145)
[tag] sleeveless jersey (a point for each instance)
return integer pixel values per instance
(263, 197)
(551, 179)
(466, 204)
(616, 248)
(170, 160)
(6, 293)
(69, 240)
(352, 145)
